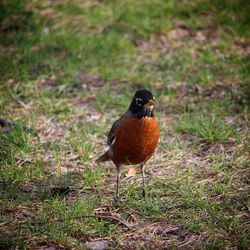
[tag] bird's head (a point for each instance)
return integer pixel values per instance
(142, 103)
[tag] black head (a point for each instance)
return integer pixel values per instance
(142, 103)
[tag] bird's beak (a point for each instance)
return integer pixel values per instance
(149, 104)
(148, 108)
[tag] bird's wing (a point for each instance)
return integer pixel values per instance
(115, 126)
(111, 134)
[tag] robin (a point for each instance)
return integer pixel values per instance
(134, 136)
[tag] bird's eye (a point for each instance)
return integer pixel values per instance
(139, 101)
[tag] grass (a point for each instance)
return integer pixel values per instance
(68, 69)
(208, 129)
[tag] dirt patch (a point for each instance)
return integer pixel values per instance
(13, 23)
(216, 90)
(219, 89)
(160, 235)
(159, 43)
(50, 130)
(176, 37)
(241, 47)
(185, 90)
(89, 80)
(79, 101)
(179, 33)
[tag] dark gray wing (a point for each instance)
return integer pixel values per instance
(117, 123)
(111, 134)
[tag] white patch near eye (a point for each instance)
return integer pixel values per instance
(138, 101)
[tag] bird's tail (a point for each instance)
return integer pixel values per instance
(104, 157)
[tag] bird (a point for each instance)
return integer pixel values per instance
(133, 138)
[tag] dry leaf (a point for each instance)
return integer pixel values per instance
(80, 151)
(132, 171)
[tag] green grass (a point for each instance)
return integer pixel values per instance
(69, 69)
(209, 129)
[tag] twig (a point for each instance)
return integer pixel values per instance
(133, 217)
(140, 230)
(6, 222)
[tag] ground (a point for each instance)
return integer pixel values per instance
(69, 69)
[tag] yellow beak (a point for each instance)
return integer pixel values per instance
(149, 103)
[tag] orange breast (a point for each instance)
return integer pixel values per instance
(135, 141)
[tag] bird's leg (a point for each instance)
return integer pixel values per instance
(118, 174)
(143, 181)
